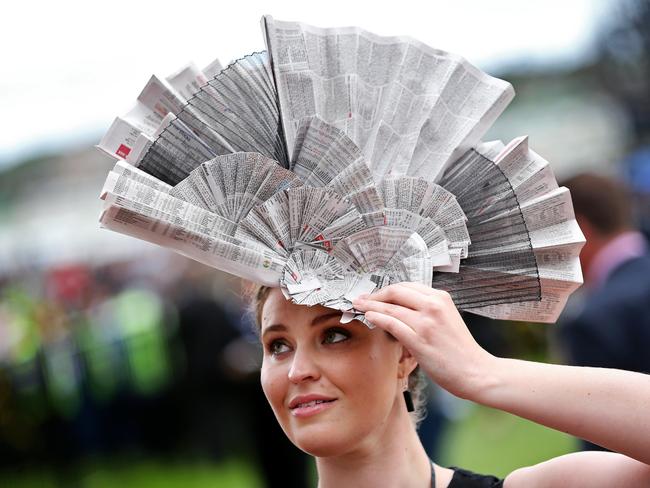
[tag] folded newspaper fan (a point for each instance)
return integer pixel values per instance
(338, 162)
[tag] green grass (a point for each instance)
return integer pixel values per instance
(493, 442)
(486, 441)
(142, 474)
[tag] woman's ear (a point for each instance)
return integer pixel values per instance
(407, 363)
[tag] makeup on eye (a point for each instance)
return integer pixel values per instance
(275, 345)
(330, 335)
(332, 332)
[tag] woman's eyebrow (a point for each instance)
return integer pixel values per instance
(273, 328)
(326, 316)
(317, 320)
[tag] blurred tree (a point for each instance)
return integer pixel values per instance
(624, 61)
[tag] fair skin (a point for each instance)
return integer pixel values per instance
(362, 435)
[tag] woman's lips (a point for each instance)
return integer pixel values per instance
(313, 407)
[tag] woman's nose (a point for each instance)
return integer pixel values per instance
(303, 367)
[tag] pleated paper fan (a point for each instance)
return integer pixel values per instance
(338, 162)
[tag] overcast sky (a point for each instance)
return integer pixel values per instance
(68, 67)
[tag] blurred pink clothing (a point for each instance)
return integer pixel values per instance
(624, 247)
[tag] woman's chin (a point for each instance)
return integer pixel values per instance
(321, 449)
(321, 442)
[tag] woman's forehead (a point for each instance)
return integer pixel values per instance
(278, 310)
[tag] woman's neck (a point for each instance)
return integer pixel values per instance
(392, 456)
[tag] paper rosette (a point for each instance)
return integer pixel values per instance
(338, 162)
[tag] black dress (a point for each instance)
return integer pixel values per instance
(466, 479)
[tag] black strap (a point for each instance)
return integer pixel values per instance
(433, 475)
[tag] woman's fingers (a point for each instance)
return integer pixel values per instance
(426, 290)
(409, 300)
(400, 312)
(399, 295)
(395, 327)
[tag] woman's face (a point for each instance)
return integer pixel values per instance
(332, 387)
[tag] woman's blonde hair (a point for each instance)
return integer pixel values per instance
(258, 294)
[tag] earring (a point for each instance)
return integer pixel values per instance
(408, 399)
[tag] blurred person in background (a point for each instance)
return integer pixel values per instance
(223, 407)
(611, 327)
(637, 173)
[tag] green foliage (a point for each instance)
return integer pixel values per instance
(493, 442)
(141, 474)
(486, 441)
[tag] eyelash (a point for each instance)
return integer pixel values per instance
(273, 344)
(328, 333)
(337, 330)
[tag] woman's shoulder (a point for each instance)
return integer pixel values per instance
(463, 478)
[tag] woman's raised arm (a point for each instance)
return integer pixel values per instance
(605, 406)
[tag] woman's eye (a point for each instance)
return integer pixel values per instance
(332, 336)
(278, 347)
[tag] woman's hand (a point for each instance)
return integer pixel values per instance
(428, 324)
(605, 406)
(608, 407)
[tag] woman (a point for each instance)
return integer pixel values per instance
(337, 391)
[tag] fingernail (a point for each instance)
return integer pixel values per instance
(363, 296)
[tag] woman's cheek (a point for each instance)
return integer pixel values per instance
(272, 386)
(268, 384)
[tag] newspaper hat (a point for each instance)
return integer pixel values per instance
(338, 162)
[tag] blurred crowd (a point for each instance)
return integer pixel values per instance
(139, 357)
(156, 355)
